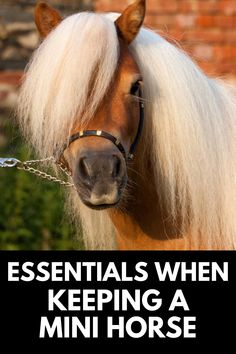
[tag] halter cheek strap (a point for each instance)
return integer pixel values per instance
(139, 131)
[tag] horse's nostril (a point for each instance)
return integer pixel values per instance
(116, 166)
(83, 168)
(97, 167)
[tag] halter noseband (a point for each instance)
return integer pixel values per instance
(116, 141)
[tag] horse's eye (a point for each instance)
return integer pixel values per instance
(135, 88)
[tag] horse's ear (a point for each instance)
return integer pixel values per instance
(130, 21)
(46, 18)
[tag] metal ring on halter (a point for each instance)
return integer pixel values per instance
(116, 141)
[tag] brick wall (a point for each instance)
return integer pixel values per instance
(18, 34)
(19, 37)
(205, 28)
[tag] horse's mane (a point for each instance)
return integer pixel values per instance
(191, 119)
(82, 52)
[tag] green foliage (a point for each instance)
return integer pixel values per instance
(31, 209)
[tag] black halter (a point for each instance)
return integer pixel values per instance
(102, 134)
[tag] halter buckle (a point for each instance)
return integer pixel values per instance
(130, 156)
(117, 142)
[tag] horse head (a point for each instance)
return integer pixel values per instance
(99, 166)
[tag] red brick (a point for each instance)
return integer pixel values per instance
(163, 6)
(159, 21)
(229, 35)
(226, 67)
(208, 6)
(187, 6)
(209, 35)
(224, 53)
(228, 7)
(185, 21)
(203, 52)
(110, 5)
(10, 77)
(205, 21)
(225, 21)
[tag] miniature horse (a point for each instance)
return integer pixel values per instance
(148, 137)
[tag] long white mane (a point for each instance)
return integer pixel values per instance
(191, 117)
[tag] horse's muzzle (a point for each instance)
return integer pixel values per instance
(100, 178)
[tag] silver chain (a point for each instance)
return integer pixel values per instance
(27, 166)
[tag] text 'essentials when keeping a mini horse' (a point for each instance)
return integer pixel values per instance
(113, 299)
